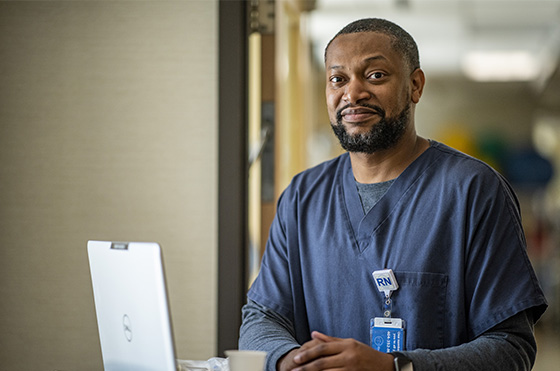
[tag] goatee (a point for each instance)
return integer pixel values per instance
(383, 135)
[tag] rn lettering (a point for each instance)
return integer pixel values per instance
(384, 281)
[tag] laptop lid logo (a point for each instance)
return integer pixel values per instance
(127, 327)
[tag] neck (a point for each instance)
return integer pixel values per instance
(387, 164)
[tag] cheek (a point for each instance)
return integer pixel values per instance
(332, 100)
(396, 102)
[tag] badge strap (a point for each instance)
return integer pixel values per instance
(387, 307)
(387, 283)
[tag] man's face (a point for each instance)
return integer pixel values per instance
(368, 92)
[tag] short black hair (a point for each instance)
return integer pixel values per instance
(401, 40)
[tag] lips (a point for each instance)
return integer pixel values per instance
(359, 114)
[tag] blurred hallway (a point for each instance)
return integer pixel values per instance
(548, 353)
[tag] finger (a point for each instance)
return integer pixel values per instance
(310, 344)
(322, 337)
(330, 363)
(320, 350)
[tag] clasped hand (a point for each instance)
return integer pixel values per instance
(324, 352)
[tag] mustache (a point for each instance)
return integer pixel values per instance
(380, 111)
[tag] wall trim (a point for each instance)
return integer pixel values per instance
(232, 170)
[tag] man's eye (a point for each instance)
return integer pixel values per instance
(335, 79)
(376, 75)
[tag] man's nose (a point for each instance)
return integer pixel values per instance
(356, 91)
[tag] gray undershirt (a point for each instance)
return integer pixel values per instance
(371, 193)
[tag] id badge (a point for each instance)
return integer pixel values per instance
(387, 334)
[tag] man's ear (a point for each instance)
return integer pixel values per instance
(417, 81)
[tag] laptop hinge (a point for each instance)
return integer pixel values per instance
(119, 245)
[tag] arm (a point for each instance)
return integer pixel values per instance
(508, 346)
(264, 329)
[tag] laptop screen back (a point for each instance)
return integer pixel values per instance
(131, 305)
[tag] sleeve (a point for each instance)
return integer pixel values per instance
(273, 287)
(263, 329)
(509, 346)
(500, 281)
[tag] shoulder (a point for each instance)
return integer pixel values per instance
(458, 160)
(463, 167)
(324, 173)
(470, 175)
(318, 181)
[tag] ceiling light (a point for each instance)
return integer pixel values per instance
(517, 65)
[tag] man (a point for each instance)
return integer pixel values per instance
(442, 224)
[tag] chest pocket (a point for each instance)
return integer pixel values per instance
(421, 302)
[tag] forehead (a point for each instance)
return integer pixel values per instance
(360, 46)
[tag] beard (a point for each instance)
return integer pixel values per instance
(383, 135)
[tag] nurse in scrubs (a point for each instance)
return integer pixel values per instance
(445, 227)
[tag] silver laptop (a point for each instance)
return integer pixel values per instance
(131, 304)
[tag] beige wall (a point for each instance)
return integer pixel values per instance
(108, 130)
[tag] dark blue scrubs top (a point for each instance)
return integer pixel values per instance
(449, 227)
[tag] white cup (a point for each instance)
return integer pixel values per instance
(245, 360)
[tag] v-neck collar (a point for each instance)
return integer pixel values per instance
(364, 226)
